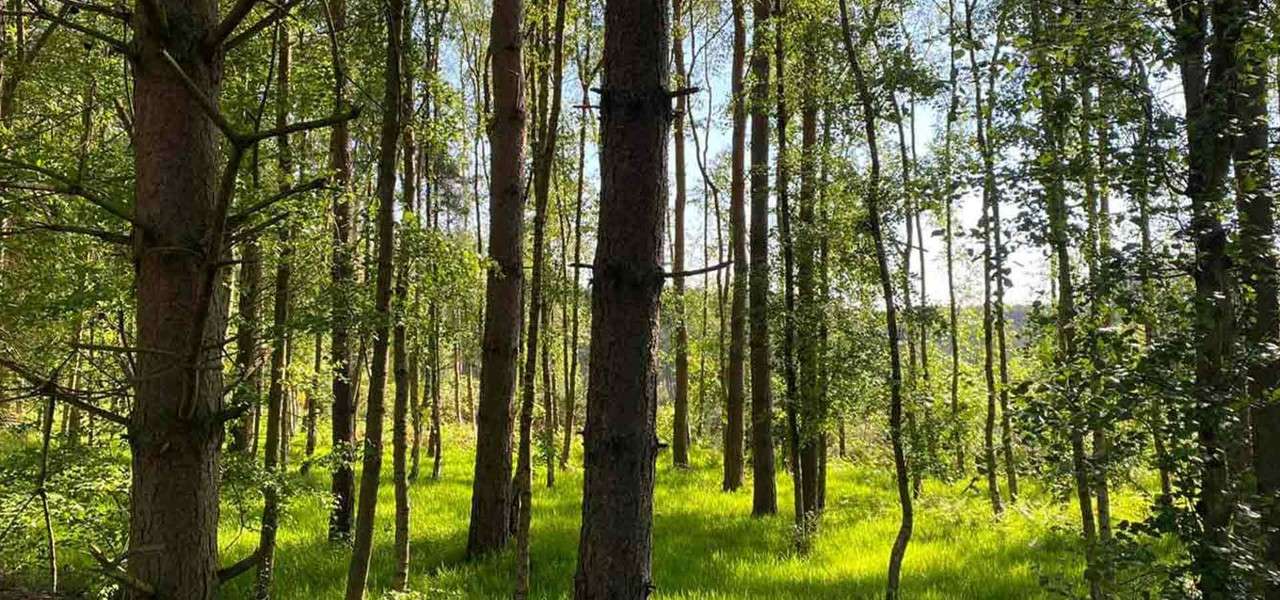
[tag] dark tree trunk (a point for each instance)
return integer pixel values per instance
(401, 365)
(1207, 93)
(389, 135)
(620, 439)
(1255, 199)
(764, 489)
(491, 490)
(809, 312)
(789, 342)
(247, 353)
(953, 106)
(733, 442)
(342, 274)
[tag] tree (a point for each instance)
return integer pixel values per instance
(620, 440)
(389, 136)
(491, 491)
(869, 116)
(680, 422)
(765, 494)
(738, 251)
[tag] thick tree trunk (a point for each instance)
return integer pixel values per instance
(175, 447)
(733, 442)
(764, 488)
(491, 490)
(620, 437)
(389, 135)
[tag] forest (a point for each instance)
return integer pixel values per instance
(621, 299)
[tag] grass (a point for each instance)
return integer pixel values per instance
(706, 544)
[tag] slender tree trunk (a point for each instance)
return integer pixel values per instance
(313, 406)
(401, 365)
(789, 341)
(620, 438)
(764, 488)
(1056, 207)
(809, 317)
(572, 392)
(953, 106)
(247, 353)
(342, 275)
(733, 446)
(680, 433)
(990, 269)
(362, 549)
(867, 102)
(275, 447)
(491, 491)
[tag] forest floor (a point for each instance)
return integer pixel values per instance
(706, 544)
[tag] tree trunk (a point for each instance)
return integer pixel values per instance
(362, 549)
(953, 107)
(401, 365)
(764, 490)
(620, 437)
(680, 426)
(733, 444)
(789, 342)
(313, 406)
(274, 448)
(180, 308)
(1255, 206)
(342, 275)
(867, 102)
(247, 354)
(491, 490)
(809, 308)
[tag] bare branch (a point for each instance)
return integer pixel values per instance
(204, 101)
(111, 568)
(72, 188)
(241, 217)
(303, 126)
(116, 44)
(234, 17)
(106, 236)
(51, 389)
(279, 13)
(233, 570)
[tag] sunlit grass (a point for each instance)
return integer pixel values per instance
(706, 544)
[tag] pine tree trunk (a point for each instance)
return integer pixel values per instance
(181, 309)
(620, 437)
(491, 491)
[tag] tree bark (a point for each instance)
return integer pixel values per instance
(680, 422)
(491, 490)
(180, 307)
(620, 437)
(764, 488)
(733, 445)
(342, 275)
(389, 135)
(401, 365)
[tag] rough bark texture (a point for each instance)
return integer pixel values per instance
(491, 490)
(176, 439)
(400, 344)
(620, 441)
(809, 316)
(389, 135)
(764, 488)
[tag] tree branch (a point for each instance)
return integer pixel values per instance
(69, 187)
(51, 389)
(233, 570)
(241, 217)
(258, 26)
